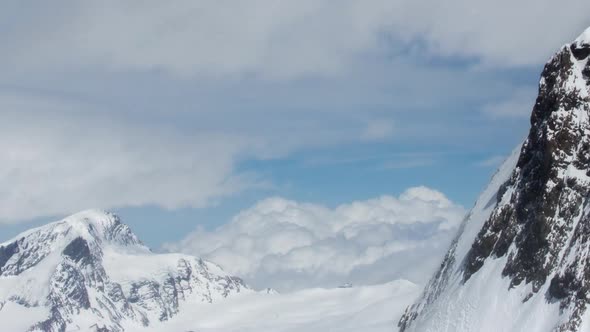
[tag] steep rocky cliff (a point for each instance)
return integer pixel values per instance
(521, 261)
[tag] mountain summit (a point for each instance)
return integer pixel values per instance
(521, 261)
(89, 272)
(584, 38)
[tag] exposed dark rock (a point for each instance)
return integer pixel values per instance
(78, 251)
(55, 323)
(68, 289)
(6, 253)
(580, 52)
(543, 197)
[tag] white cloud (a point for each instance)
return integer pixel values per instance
(63, 49)
(500, 33)
(60, 155)
(281, 39)
(218, 38)
(54, 161)
(289, 245)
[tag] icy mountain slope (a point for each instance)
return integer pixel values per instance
(521, 261)
(89, 272)
(366, 309)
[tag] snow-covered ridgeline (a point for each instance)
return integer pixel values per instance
(89, 271)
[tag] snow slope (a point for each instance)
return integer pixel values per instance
(367, 309)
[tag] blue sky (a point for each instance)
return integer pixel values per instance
(185, 116)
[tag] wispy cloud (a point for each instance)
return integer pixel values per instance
(283, 39)
(55, 161)
(406, 163)
(380, 161)
(493, 161)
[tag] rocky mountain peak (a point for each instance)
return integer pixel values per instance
(530, 230)
(99, 225)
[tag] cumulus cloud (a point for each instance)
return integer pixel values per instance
(289, 245)
(281, 39)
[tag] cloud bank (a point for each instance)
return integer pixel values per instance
(55, 162)
(281, 39)
(291, 245)
(62, 155)
(312, 73)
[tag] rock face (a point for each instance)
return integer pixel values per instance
(89, 272)
(529, 233)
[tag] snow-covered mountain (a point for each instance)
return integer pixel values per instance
(521, 261)
(89, 272)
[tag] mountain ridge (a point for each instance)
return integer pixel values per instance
(89, 271)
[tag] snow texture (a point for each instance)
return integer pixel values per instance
(366, 309)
